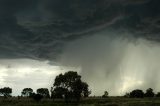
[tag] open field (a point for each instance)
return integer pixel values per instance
(113, 101)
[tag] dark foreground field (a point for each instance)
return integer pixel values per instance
(114, 101)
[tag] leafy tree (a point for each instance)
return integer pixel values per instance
(6, 91)
(69, 86)
(137, 94)
(44, 92)
(27, 92)
(105, 94)
(149, 93)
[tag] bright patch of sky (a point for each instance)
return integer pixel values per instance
(24, 73)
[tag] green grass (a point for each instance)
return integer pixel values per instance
(112, 101)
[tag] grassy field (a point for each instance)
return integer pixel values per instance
(112, 101)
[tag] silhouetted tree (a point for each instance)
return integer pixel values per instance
(69, 86)
(27, 92)
(149, 93)
(105, 94)
(158, 94)
(6, 91)
(44, 92)
(137, 94)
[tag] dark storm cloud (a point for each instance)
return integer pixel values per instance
(40, 29)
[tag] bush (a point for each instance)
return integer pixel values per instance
(127, 95)
(136, 94)
(37, 97)
(105, 94)
(158, 94)
(149, 93)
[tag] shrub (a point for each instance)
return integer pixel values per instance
(158, 94)
(37, 97)
(149, 93)
(137, 94)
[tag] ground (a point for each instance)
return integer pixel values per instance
(111, 101)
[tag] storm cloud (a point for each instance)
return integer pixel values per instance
(40, 29)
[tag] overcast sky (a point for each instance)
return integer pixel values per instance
(113, 44)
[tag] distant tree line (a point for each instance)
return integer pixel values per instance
(70, 87)
(41, 93)
(137, 93)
